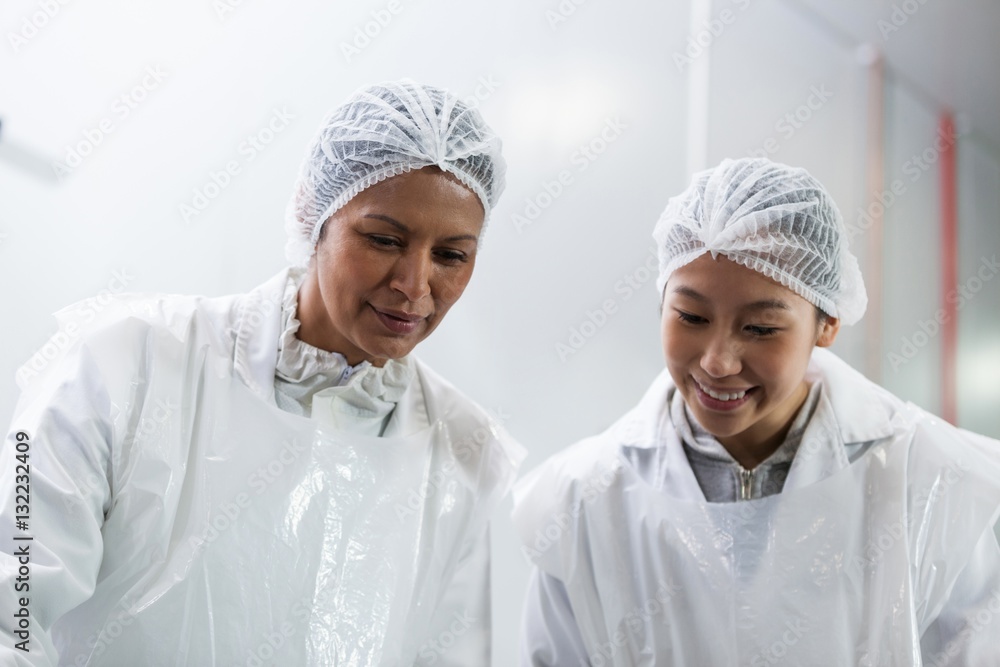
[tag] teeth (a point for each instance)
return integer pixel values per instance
(723, 397)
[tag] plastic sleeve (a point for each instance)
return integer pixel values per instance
(65, 415)
(549, 634)
(967, 631)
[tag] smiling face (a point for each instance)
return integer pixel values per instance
(737, 345)
(389, 265)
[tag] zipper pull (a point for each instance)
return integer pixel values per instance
(746, 483)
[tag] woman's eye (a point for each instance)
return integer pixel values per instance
(383, 241)
(689, 318)
(762, 331)
(452, 256)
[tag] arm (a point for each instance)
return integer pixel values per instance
(549, 635)
(967, 632)
(460, 633)
(66, 417)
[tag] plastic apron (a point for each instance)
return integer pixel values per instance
(243, 535)
(847, 571)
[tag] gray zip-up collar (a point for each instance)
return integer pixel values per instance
(721, 477)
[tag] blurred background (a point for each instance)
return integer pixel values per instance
(152, 147)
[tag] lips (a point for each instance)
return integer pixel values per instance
(397, 321)
(400, 315)
(722, 398)
(723, 395)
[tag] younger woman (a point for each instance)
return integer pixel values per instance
(764, 503)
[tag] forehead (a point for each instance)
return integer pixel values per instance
(723, 282)
(427, 199)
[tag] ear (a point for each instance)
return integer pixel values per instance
(827, 333)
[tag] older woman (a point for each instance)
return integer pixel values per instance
(764, 503)
(273, 478)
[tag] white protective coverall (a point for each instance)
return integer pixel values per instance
(888, 559)
(179, 517)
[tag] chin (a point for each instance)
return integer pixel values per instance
(717, 424)
(387, 353)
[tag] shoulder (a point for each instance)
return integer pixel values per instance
(935, 441)
(575, 468)
(863, 410)
(185, 319)
(119, 331)
(588, 481)
(858, 400)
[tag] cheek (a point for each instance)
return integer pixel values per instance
(784, 365)
(355, 268)
(450, 285)
(678, 345)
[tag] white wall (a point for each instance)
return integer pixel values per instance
(912, 252)
(979, 316)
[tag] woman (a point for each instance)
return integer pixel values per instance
(272, 478)
(764, 503)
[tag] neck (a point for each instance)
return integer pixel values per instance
(315, 327)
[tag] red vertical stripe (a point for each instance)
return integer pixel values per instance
(949, 269)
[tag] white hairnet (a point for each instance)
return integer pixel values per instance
(774, 219)
(381, 131)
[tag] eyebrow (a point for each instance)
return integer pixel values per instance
(763, 304)
(406, 230)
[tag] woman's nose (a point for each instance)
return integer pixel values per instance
(412, 275)
(722, 357)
